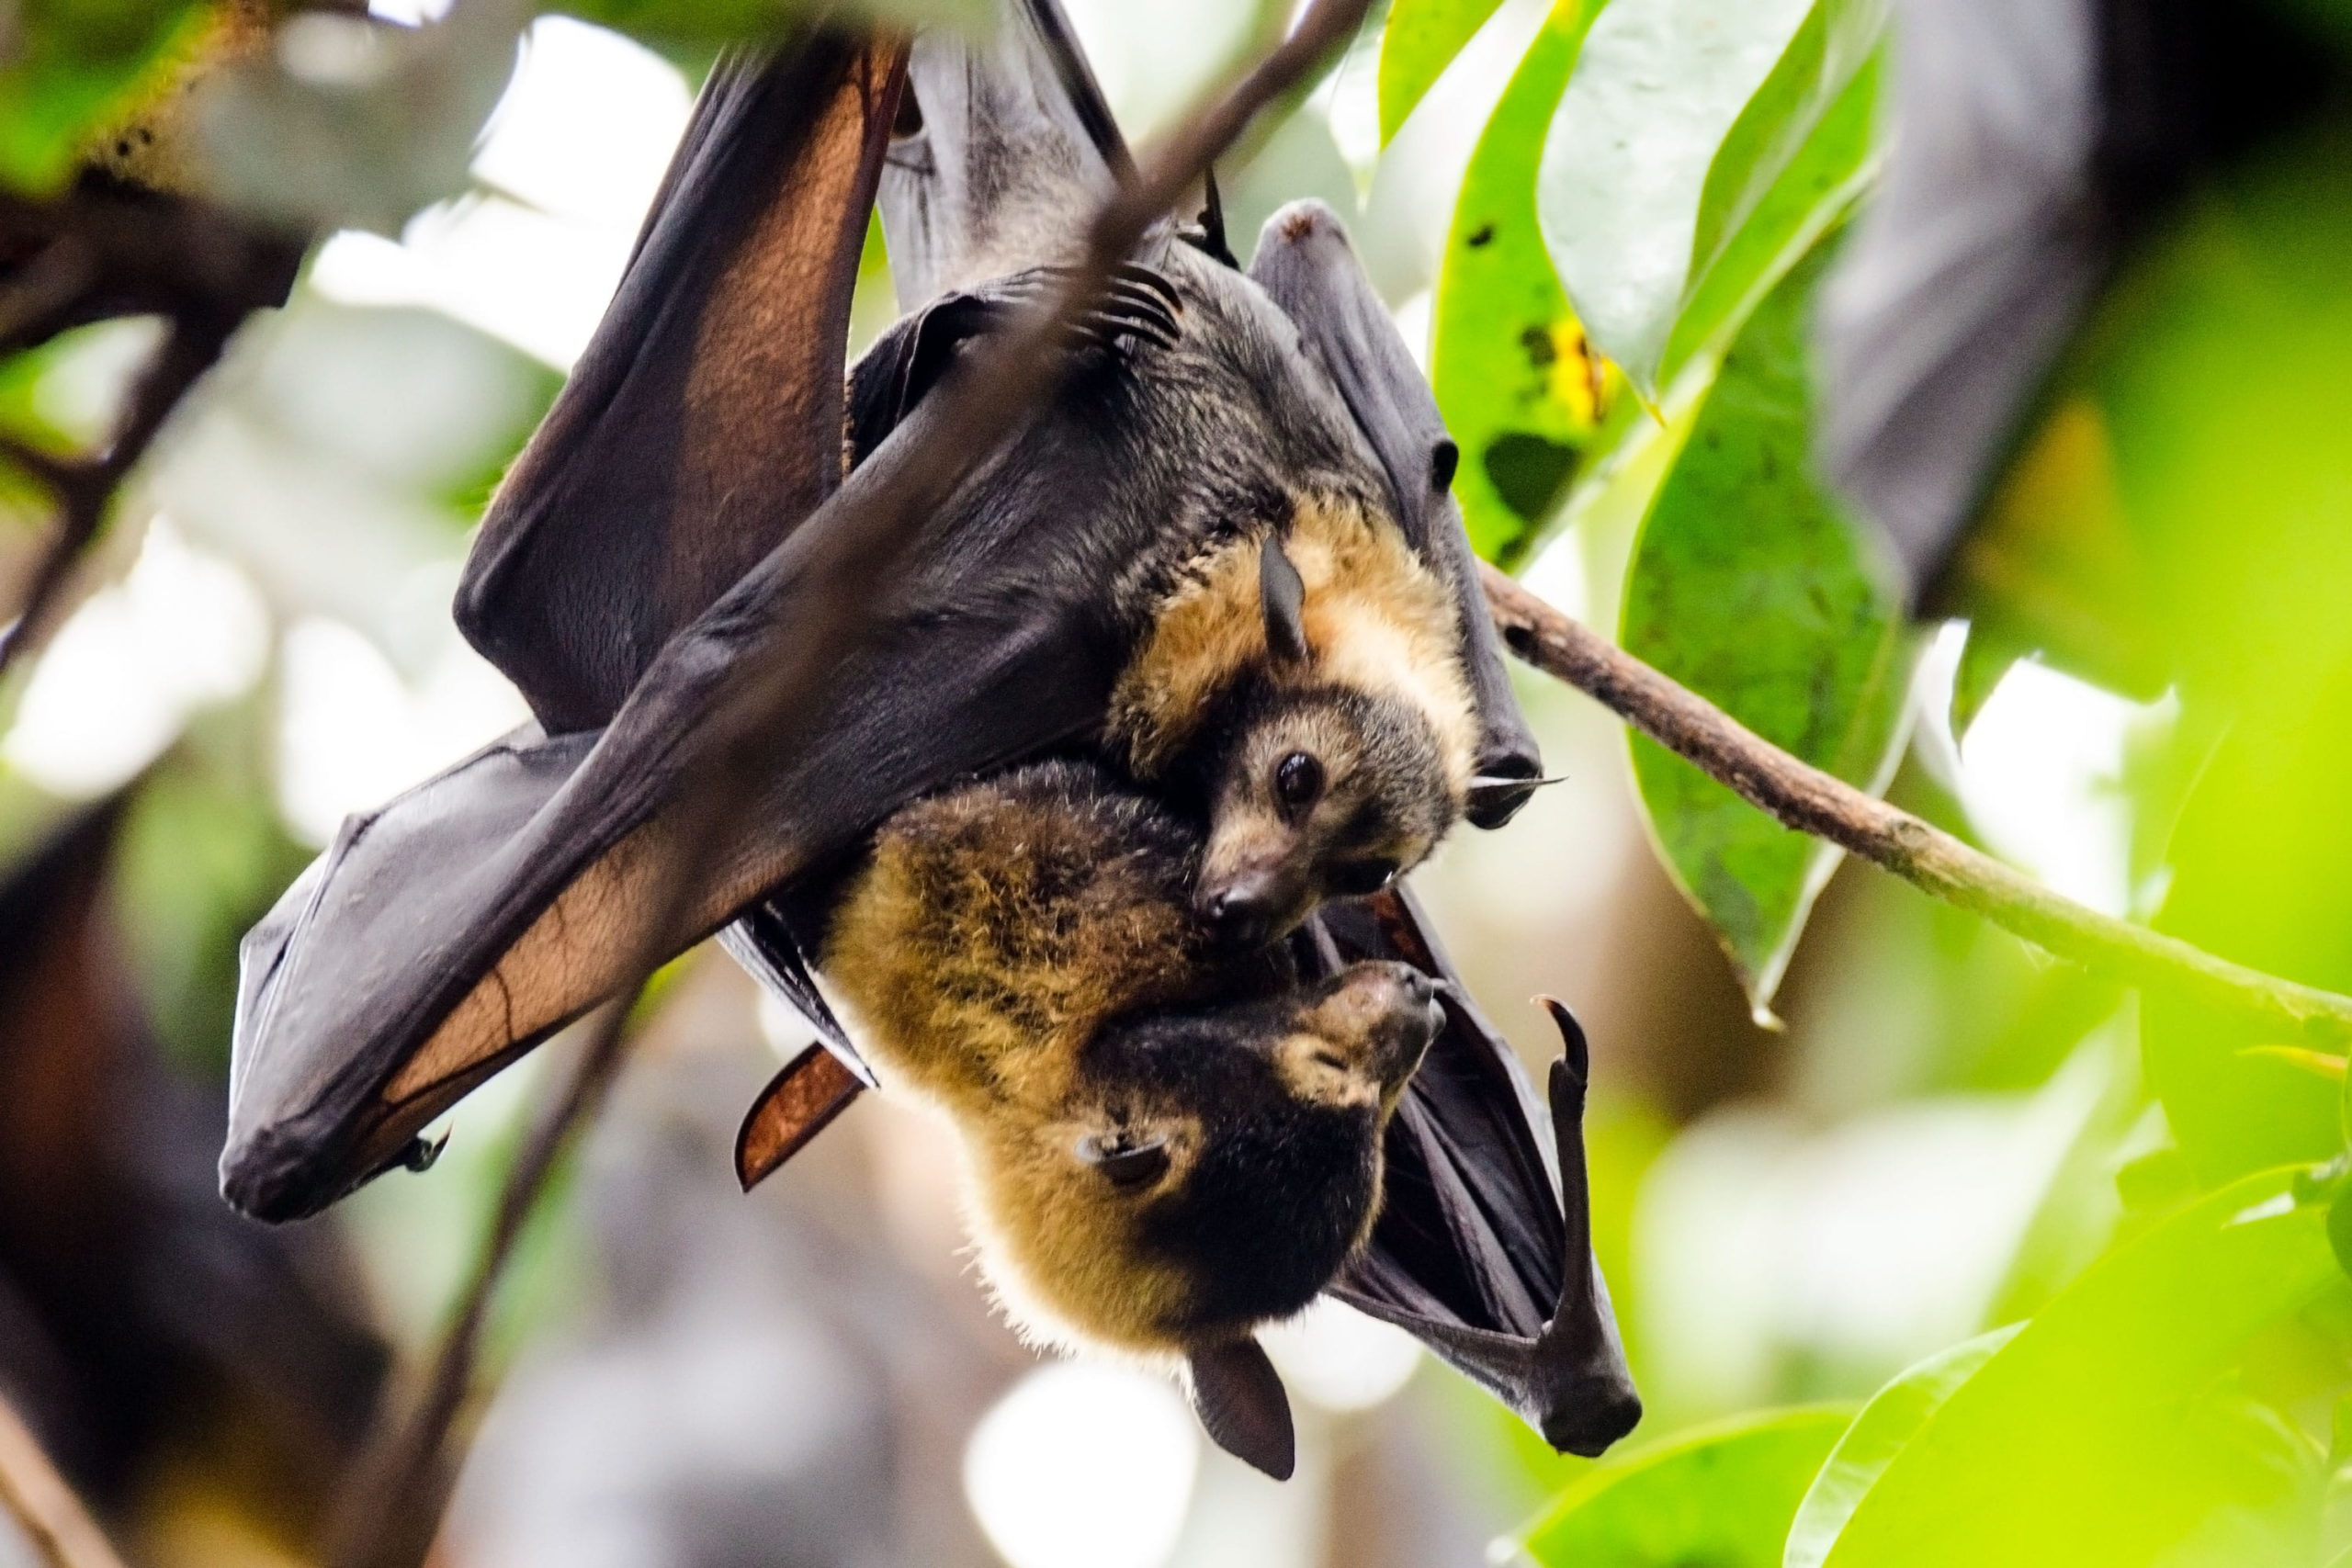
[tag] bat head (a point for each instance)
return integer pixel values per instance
(1320, 790)
(1209, 1172)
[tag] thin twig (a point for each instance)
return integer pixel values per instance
(1803, 797)
(390, 1516)
(43, 1507)
(393, 1506)
(85, 490)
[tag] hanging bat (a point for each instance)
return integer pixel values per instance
(681, 505)
(1172, 1143)
(142, 1325)
(2032, 141)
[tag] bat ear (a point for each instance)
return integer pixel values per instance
(1213, 241)
(798, 1103)
(1282, 595)
(1240, 1398)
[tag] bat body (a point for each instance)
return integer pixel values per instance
(683, 514)
(1171, 1144)
(1283, 661)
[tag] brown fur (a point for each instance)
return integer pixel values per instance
(996, 936)
(1376, 619)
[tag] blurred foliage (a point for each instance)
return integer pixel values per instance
(1754, 588)
(1420, 40)
(1723, 1496)
(1620, 263)
(65, 69)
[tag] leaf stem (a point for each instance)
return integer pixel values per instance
(1805, 798)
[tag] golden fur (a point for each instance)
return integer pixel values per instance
(1377, 618)
(994, 933)
(974, 957)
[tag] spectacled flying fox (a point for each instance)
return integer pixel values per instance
(1171, 1142)
(684, 507)
(1301, 672)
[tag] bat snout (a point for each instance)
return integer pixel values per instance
(1394, 1010)
(1247, 909)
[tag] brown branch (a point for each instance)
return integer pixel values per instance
(400, 1484)
(93, 255)
(391, 1511)
(37, 1499)
(84, 489)
(1803, 797)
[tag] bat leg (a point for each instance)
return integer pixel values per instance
(1591, 1401)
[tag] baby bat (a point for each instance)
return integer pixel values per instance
(1169, 1144)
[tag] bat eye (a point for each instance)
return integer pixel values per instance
(1298, 784)
(1361, 879)
(1127, 1165)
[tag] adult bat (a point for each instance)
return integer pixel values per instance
(451, 930)
(2032, 140)
(140, 1322)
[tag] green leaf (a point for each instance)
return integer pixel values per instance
(1753, 586)
(1522, 391)
(2096, 1438)
(1891, 1419)
(1831, 167)
(1677, 130)
(69, 65)
(1985, 659)
(1723, 1496)
(379, 123)
(1420, 40)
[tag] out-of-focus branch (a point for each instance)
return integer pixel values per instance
(90, 255)
(41, 1505)
(393, 1511)
(400, 1485)
(1803, 797)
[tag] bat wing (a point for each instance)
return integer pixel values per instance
(1483, 1250)
(1305, 262)
(463, 923)
(124, 1284)
(1007, 148)
(705, 420)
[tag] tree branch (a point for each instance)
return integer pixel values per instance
(1803, 797)
(43, 1506)
(97, 255)
(400, 1487)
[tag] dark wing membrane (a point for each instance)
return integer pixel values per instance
(705, 419)
(1968, 267)
(1008, 149)
(470, 918)
(1305, 263)
(1483, 1250)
